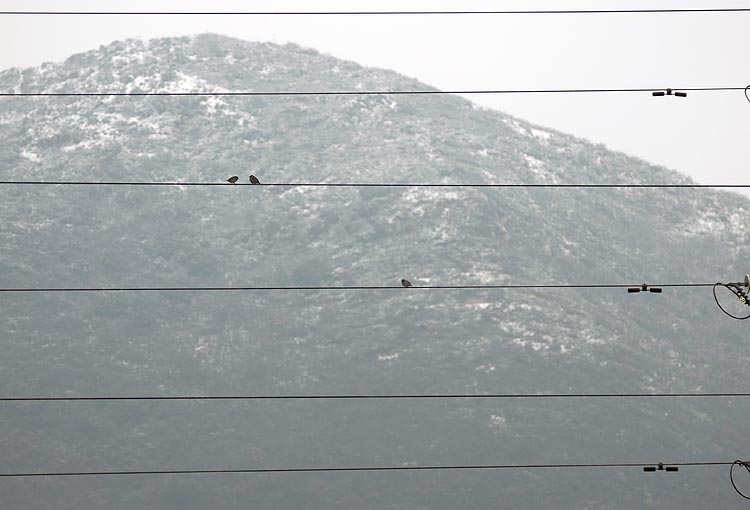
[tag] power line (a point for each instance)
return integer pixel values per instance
(374, 13)
(351, 287)
(356, 92)
(372, 185)
(426, 396)
(357, 469)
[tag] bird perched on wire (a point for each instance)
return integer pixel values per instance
(233, 179)
(405, 282)
(254, 180)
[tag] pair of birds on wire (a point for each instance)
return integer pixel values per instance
(252, 179)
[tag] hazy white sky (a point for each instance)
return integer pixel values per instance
(706, 135)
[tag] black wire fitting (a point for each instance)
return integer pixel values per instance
(668, 92)
(644, 288)
(660, 467)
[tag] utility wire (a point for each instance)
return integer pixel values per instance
(357, 92)
(350, 469)
(378, 397)
(375, 13)
(351, 287)
(369, 185)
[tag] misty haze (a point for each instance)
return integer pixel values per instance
(307, 342)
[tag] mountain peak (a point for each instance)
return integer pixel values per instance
(343, 341)
(217, 63)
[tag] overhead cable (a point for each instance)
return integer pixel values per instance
(430, 92)
(374, 185)
(355, 469)
(424, 396)
(376, 13)
(348, 287)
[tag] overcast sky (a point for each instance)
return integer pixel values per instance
(706, 135)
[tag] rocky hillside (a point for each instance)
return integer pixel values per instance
(390, 341)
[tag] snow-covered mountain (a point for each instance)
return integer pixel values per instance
(391, 341)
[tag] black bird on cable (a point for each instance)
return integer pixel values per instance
(405, 282)
(254, 180)
(233, 179)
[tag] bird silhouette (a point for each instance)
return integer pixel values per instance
(254, 180)
(405, 283)
(233, 179)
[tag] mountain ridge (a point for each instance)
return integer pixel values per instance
(348, 342)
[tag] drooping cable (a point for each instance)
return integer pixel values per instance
(743, 464)
(738, 290)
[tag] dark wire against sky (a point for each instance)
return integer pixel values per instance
(380, 13)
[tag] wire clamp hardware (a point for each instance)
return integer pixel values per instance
(644, 288)
(741, 290)
(660, 467)
(668, 92)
